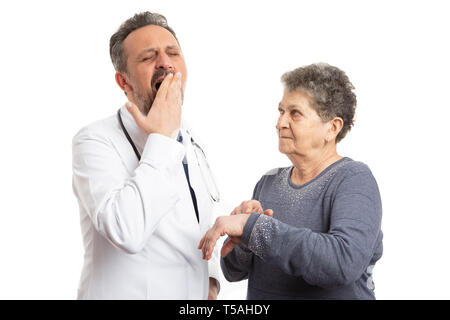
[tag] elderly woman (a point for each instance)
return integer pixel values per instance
(312, 230)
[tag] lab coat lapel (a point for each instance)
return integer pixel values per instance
(195, 177)
(123, 146)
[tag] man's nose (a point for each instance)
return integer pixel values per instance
(164, 62)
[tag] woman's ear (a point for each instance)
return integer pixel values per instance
(334, 128)
(123, 82)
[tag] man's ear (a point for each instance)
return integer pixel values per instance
(123, 82)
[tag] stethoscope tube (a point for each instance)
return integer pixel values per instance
(138, 155)
(214, 195)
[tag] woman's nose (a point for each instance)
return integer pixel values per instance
(282, 122)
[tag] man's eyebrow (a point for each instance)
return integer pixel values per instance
(145, 51)
(172, 47)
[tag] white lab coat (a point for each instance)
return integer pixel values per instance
(138, 222)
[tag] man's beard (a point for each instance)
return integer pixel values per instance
(144, 101)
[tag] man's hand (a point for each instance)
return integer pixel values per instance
(247, 207)
(164, 116)
(213, 289)
(233, 226)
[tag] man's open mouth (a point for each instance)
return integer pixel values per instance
(158, 83)
(160, 78)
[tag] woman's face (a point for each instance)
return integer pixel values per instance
(300, 129)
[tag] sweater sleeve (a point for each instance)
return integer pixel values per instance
(337, 257)
(236, 264)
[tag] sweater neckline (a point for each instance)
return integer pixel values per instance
(296, 186)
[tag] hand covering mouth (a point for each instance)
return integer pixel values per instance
(158, 78)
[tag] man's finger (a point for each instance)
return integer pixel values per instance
(268, 212)
(164, 87)
(210, 243)
(174, 90)
(135, 113)
(205, 242)
(200, 245)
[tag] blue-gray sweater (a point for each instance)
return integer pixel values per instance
(322, 241)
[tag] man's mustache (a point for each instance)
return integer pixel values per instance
(159, 73)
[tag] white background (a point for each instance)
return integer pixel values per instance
(56, 77)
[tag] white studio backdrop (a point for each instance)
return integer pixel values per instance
(56, 77)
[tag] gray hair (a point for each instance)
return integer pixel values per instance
(329, 89)
(139, 20)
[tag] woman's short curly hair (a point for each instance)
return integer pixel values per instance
(330, 90)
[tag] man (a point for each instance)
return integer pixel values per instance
(138, 181)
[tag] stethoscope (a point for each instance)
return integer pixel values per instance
(205, 170)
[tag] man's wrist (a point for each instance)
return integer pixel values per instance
(167, 133)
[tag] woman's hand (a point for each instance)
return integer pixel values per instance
(232, 225)
(249, 206)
